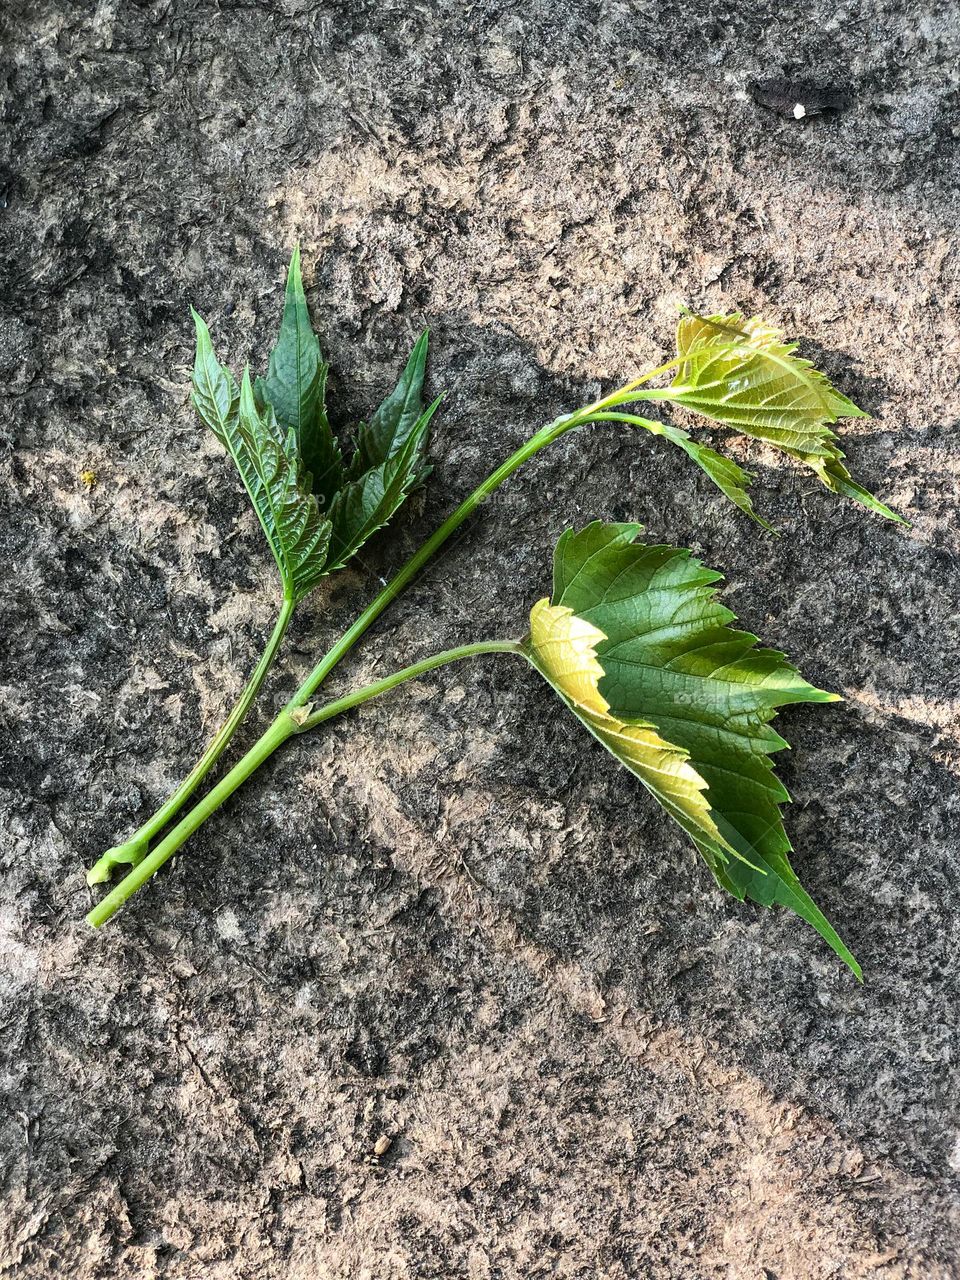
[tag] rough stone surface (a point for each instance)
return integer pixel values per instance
(450, 921)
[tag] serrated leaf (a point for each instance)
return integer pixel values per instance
(216, 396)
(298, 534)
(268, 461)
(563, 648)
(636, 643)
(392, 424)
(295, 386)
(742, 374)
(729, 478)
(366, 504)
(833, 473)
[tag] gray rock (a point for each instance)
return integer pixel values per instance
(450, 920)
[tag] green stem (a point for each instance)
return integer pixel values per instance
(262, 749)
(133, 851)
(285, 726)
(293, 713)
(648, 424)
(416, 562)
(625, 393)
(359, 696)
(546, 435)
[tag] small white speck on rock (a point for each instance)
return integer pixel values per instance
(228, 926)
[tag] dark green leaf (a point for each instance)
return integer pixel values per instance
(396, 419)
(295, 386)
(366, 504)
(266, 457)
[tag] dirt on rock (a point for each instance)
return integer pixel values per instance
(444, 994)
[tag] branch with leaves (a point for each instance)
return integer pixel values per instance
(633, 638)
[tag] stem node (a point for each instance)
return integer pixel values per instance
(130, 854)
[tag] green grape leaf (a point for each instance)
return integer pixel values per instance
(365, 504)
(268, 461)
(637, 645)
(295, 386)
(397, 418)
(742, 374)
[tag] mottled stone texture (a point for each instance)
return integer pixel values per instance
(450, 920)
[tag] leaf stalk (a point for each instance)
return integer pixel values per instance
(285, 726)
(133, 851)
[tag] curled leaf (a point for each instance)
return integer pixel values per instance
(742, 374)
(298, 534)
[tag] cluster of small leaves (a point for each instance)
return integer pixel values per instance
(637, 645)
(741, 374)
(316, 509)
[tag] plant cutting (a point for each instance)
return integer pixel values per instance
(633, 638)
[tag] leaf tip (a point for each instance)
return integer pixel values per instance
(246, 390)
(852, 410)
(294, 278)
(821, 696)
(867, 500)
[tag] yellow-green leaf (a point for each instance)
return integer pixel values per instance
(742, 374)
(562, 647)
(637, 645)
